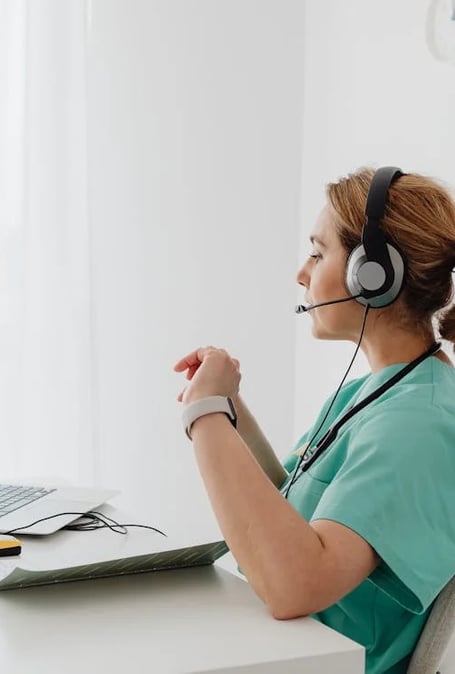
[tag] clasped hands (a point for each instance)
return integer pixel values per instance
(211, 372)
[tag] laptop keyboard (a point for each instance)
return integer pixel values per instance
(13, 497)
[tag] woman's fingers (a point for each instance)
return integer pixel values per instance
(192, 359)
(186, 362)
(192, 371)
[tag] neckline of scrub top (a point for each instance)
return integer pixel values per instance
(375, 380)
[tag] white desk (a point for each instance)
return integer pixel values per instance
(188, 621)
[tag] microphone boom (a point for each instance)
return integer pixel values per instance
(301, 308)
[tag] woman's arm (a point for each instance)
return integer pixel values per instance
(257, 443)
(296, 567)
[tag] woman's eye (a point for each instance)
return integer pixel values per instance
(315, 256)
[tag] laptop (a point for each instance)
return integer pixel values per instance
(22, 505)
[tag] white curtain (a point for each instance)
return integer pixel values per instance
(47, 390)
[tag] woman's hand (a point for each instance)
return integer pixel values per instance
(211, 371)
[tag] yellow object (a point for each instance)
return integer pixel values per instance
(9, 546)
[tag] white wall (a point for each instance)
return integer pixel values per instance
(373, 95)
(195, 154)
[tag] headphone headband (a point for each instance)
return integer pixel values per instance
(373, 237)
(378, 192)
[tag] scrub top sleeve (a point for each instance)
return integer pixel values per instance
(395, 488)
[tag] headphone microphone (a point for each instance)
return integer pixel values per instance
(301, 308)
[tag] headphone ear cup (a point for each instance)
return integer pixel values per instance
(364, 277)
(356, 259)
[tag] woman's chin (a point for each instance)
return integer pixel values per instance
(320, 332)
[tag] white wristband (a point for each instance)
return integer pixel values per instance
(210, 405)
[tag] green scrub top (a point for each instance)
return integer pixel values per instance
(390, 477)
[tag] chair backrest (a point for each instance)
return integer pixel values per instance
(436, 634)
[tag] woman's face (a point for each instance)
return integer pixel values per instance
(323, 276)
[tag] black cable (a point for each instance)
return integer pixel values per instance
(97, 521)
(299, 462)
(331, 434)
(97, 517)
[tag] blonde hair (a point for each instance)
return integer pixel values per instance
(420, 220)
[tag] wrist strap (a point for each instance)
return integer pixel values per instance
(210, 405)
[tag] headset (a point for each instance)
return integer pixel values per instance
(376, 269)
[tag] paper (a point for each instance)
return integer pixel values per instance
(13, 576)
(70, 555)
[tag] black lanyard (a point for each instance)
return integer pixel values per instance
(312, 453)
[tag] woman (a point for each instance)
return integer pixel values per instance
(364, 538)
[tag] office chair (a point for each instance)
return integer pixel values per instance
(436, 634)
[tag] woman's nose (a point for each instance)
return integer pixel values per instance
(303, 277)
